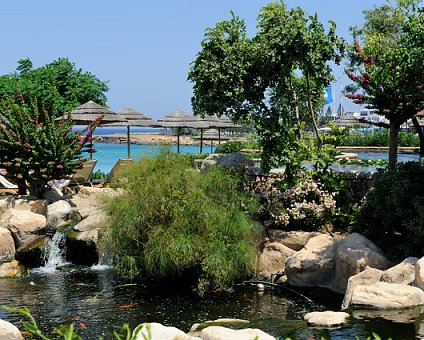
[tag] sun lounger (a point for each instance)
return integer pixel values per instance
(119, 166)
(82, 176)
(7, 184)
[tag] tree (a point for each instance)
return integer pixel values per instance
(387, 65)
(267, 78)
(58, 84)
(35, 148)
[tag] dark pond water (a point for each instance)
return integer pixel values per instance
(97, 304)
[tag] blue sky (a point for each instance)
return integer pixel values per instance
(143, 48)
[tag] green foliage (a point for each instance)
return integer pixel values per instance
(173, 220)
(58, 84)
(336, 136)
(34, 147)
(266, 79)
(392, 214)
(379, 137)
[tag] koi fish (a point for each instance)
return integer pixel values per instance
(83, 325)
(126, 306)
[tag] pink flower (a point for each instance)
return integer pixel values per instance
(27, 145)
(59, 166)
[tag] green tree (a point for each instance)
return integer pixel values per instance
(267, 78)
(35, 148)
(387, 65)
(58, 84)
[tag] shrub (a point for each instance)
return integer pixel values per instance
(379, 138)
(173, 221)
(392, 214)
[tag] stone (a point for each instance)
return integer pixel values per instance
(12, 269)
(23, 203)
(96, 220)
(366, 277)
(218, 322)
(99, 192)
(7, 245)
(295, 240)
(89, 235)
(24, 225)
(326, 319)
(273, 258)
(404, 315)
(419, 273)
(236, 161)
(387, 295)
(9, 331)
(161, 332)
(222, 333)
(354, 253)
(52, 194)
(314, 264)
(58, 213)
(403, 273)
(83, 205)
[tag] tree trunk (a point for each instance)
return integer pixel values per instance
(38, 188)
(296, 110)
(22, 187)
(420, 132)
(311, 110)
(393, 143)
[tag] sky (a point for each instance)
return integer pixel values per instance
(143, 48)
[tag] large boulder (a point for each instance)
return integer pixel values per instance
(314, 264)
(419, 273)
(222, 333)
(96, 220)
(236, 162)
(273, 258)
(7, 245)
(12, 269)
(295, 240)
(9, 331)
(387, 295)
(23, 203)
(24, 225)
(160, 332)
(354, 253)
(58, 213)
(83, 205)
(326, 319)
(403, 273)
(366, 277)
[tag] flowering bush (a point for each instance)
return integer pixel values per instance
(306, 206)
(35, 148)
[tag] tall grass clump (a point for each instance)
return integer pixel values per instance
(174, 222)
(379, 138)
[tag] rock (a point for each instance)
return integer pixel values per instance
(89, 235)
(9, 331)
(24, 225)
(222, 333)
(97, 219)
(218, 322)
(99, 192)
(403, 273)
(387, 295)
(83, 205)
(7, 245)
(314, 264)
(273, 258)
(12, 269)
(354, 253)
(58, 213)
(419, 273)
(236, 161)
(52, 195)
(367, 277)
(404, 315)
(161, 332)
(23, 203)
(326, 319)
(295, 240)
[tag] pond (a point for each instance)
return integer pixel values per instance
(98, 303)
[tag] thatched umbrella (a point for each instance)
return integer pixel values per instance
(133, 118)
(179, 120)
(349, 120)
(88, 112)
(211, 135)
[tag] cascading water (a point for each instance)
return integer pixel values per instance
(54, 254)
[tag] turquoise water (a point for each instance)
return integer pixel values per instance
(108, 154)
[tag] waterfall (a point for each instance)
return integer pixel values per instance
(54, 254)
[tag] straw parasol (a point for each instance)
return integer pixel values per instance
(86, 113)
(349, 120)
(219, 123)
(133, 118)
(211, 135)
(179, 120)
